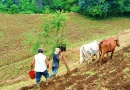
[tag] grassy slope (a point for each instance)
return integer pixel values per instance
(80, 30)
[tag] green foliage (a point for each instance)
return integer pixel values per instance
(28, 7)
(68, 4)
(38, 6)
(7, 3)
(50, 36)
(2, 7)
(94, 8)
(104, 8)
(74, 8)
(124, 6)
(97, 8)
(53, 30)
(58, 4)
(13, 9)
(46, 10)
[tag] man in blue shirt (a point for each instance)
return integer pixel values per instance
(56, 58)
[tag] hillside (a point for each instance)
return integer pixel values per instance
(16, 58)
(112, 75)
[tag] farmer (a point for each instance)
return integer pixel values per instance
(56, 58)
(40, 64)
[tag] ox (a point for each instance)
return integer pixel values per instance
(87, 50)
(107, 45)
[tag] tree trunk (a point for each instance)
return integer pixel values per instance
(39, 4)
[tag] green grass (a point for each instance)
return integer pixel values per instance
(87, 30)
(14, 58)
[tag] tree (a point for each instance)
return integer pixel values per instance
(28, 7)
(53, 32)
(64, 5)
(94, 8)
(58, 4)
(13, 9)
(51, 35)
(7, 3)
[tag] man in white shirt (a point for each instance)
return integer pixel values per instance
(40, 64)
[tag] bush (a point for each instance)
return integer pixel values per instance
(74, 8)
(46, 10)
(104, 8)
(94, 11)
(13, 9)
(96, 8)
(2, 8)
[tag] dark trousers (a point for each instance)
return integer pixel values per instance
(39, 74)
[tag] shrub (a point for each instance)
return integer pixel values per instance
(74, 8)
(2, 7)
(104, 8)
(13, 9)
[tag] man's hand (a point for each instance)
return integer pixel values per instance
(48, 66)
(32, 64)
(61, 56)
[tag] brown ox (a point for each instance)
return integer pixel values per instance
(107, 45)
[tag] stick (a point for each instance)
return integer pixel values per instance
(91, 56)
(68, 70)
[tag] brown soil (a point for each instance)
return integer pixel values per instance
(112, 75)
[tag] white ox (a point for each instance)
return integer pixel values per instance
(87, 50)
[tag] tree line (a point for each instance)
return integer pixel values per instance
(92, 8)
(37, 6)
(104, 8)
